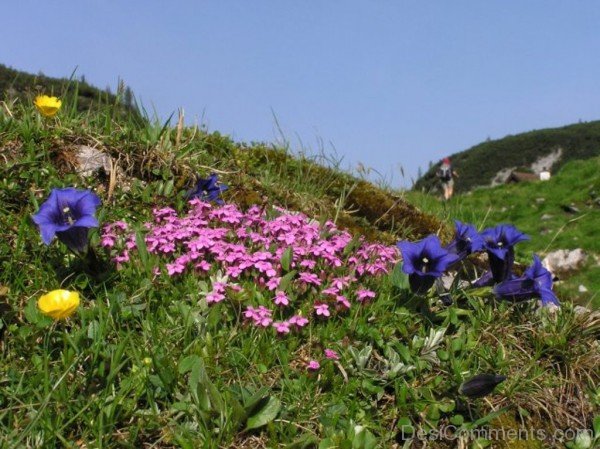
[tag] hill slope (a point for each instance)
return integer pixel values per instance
(16, 84)
(172, 347)
(479, 165)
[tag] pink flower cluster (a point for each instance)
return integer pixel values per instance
(302, 269)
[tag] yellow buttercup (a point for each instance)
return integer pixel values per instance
(48, 106)
(59, 304)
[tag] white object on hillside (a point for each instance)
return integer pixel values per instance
(564, 260)
(90, 159)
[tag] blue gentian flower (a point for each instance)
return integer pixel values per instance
(208, 189)
(480, 385)
(424, 261)
(499, 243)
(485, 280)
(466, 240)
(536, 282)
(68, 214)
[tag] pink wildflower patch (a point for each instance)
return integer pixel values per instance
(223, 242)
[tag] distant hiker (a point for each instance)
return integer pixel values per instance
(446, 174)
(544, 174)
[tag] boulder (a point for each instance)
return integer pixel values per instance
(564, 260)
(90, 160)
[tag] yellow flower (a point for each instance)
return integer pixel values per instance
(48, 106)
(59, 304)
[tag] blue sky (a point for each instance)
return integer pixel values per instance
(387, 83)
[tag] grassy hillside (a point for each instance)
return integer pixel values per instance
(23, 86)
(164, 352)
(537, 208)
(478, 165)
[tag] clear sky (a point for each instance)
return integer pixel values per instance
(389, 83)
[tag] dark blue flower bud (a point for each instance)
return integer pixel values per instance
(481, 385)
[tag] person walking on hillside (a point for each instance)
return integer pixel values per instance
(446, 174)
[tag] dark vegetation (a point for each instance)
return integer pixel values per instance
(478, 165)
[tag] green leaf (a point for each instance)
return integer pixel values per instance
(93, 330)
(264, 415)
(141, 249)
(352, 245)
(480, 443)
(285, 280)
(597, 426)
(486, 419)
(399, 277)
(305, 441)
(286, 258)
(364, 440)
(35, 316)
(327, 443)
(457, 420)
(405, 426)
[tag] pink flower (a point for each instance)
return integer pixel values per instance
(298, 320)
(108, 240)
(333, 291)
(202, 265)
(282, 327)
(309, 278)
(281, 299)
(322, 309)
(341, 299)
(313, 365)
(124, 257)
(331, 354)
(273, 283)
(364, 295)
(214, 297)
(308, 263)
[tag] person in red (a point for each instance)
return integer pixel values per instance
(446, 174)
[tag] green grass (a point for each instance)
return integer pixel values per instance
(535, 208)
(145, 363)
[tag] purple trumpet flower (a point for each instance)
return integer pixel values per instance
(208, 189)
(536, 282)
(424, 261)
(499, 243)
(466, 240)
(68, 214)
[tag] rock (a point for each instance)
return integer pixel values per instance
(570, 208)
(564, 260)
(90, 160)
(546, 162)
(540, 200)
(582, 288)
(546, 217)
(580, 310)
(502, 176)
